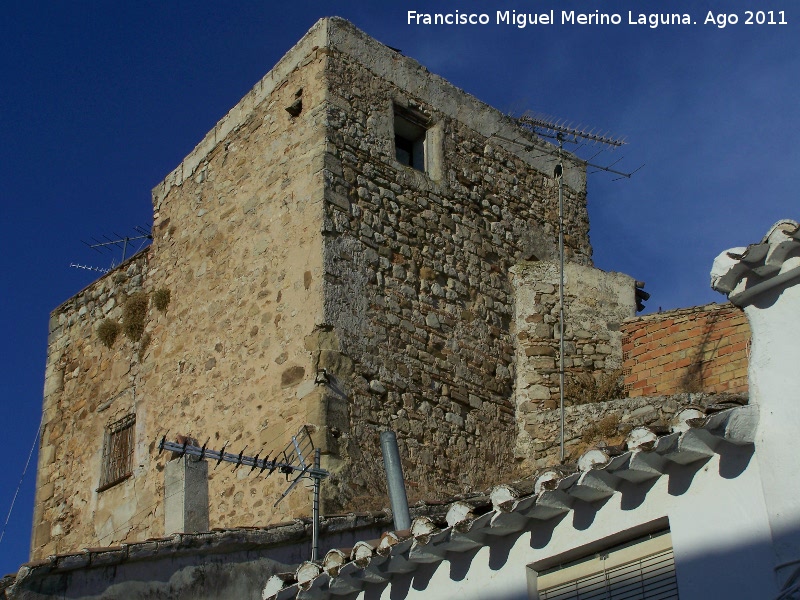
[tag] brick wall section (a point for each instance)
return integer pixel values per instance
(703, 348)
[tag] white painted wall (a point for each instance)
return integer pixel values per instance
(775, 387)
(719, 527)
(772, 306)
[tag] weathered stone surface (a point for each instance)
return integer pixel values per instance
(587, 425)
(244, 286)
(596, 302)
(292, 376)
(299, 249)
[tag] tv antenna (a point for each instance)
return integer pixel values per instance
(89, 268)
(299, 459)
(563, 133)
(120, 242)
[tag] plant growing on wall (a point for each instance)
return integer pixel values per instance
(586, 389)
(133, 316)
(608, 430)
(161, 298)
(107, 331)
(144, 343)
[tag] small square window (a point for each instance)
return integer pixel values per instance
(410, 129)
(117, 452)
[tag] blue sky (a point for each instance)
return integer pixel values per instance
(99, 101)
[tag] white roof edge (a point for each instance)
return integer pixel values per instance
(705, 437)
(745, 273)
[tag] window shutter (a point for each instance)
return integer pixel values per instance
(617, 574)
(117, 452)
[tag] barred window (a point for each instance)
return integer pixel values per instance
(117, 452)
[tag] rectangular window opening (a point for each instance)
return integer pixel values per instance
(117, 452)
(410, 131)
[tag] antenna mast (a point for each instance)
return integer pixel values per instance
(561, 132)
(121, 241)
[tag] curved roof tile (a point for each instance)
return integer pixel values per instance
(597, 475)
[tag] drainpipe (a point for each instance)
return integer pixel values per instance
(394, 479)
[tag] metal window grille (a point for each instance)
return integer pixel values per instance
(117, 452)
(649, 578)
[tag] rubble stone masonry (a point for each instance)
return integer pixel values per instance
(417, 275)
(312, 278)
(87, 387)
(596, 304)
(237, 244)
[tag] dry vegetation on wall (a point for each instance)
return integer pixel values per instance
(584, 388)
(605, 429)
(144, 343)
(108, 331)
(133, 316)
(134, 319)
(161, 298)
(608, 430)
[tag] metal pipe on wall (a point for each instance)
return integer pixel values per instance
(394, 479)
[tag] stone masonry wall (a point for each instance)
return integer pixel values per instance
(417, 284)
(87, 387)
(237, 244)
(703, 348)
(291, 244)
(607, 423)
(596, 304)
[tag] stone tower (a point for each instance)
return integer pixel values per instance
(336, 251)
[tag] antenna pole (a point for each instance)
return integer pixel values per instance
(315, 510)
(560, 171)
(574, 135)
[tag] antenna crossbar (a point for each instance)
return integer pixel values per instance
(300, 457)
(88, 268)
(556, 154)
(120, 241)
(297, 459)
(240, 460)
(574, 132)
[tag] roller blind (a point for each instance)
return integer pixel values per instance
(640, 570)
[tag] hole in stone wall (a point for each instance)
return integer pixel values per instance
(296, 107)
